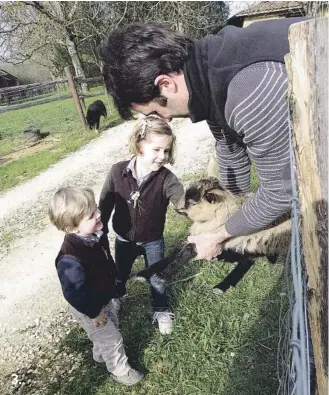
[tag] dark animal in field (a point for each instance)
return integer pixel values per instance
(209, 205)
(94, 112)
(34, 135)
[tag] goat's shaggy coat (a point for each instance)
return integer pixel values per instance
(209, 205)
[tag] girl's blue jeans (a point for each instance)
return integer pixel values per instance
(126, 253)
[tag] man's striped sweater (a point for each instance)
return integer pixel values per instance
(256, 108)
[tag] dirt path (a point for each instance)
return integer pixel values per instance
(30, 295)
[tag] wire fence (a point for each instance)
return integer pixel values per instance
(295, 353)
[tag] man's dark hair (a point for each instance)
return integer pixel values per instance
(134, 56)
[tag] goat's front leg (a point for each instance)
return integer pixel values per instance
(170, 265)
(236, 275)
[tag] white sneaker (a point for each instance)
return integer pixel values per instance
(131, 378)
(165, 321)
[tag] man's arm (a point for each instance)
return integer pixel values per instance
(106, 201)
(233, 161)
(256, 106)
(261, 114)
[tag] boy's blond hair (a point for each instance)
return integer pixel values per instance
(144, 127)
(69, 206)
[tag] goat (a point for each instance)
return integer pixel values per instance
(209, 205)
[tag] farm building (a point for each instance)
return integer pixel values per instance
(7, 79)
(267, 10)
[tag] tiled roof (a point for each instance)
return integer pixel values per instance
(5, 74)
(269, 7)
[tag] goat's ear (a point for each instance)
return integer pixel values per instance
(213, 196)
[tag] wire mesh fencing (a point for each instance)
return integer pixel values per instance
(295, 363)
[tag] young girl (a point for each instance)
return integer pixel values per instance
(140, 190)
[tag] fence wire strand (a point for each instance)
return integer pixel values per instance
(295, 353)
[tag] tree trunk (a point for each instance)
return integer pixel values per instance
(179, 22)
(70, 44)
(72, 50)
(316, 8)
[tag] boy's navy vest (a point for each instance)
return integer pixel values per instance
(97, 263)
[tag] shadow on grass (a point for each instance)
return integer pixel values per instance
(90, 376)
(241, 328)
(255, 367)
(235, 357)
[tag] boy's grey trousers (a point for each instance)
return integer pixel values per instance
(107, 340)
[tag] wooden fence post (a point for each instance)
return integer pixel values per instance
(75, 96)
(307, 66)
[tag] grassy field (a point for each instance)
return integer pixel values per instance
(221, 345)
(20, 160)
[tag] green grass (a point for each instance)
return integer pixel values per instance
(221, 345)
(196, 175)
(66, 134)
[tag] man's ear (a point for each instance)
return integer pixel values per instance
(165, 83)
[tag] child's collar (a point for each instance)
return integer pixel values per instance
(94, 237)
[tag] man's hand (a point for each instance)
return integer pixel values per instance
(101, 319)
(208, 245)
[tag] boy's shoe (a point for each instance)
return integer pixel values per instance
(165, 321)
(98, 359)
(131, 378)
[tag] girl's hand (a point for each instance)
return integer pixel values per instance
(101, 319)
(208, 245)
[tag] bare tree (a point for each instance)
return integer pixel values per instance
(56, 33)
(316, 8)
(61, 15)
(40, 31)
